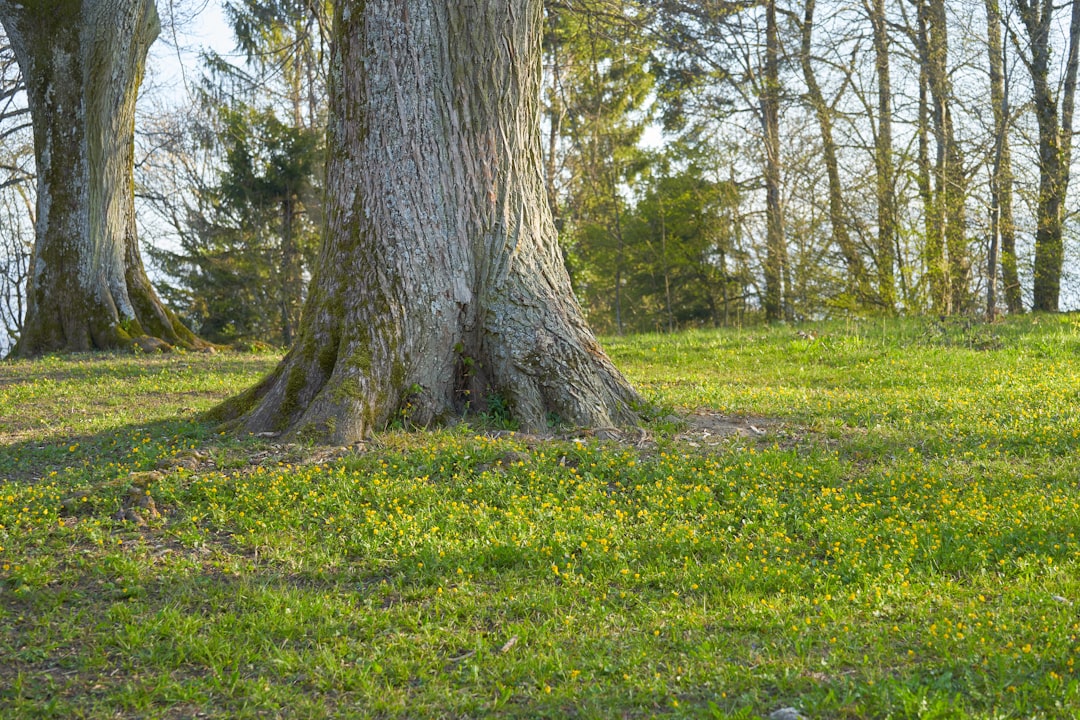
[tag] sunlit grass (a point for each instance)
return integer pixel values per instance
(903, 541)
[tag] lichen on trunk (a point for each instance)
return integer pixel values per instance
(440, 282)
(82, 62)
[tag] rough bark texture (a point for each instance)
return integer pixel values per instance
(440, 283)
(82, 62)
(1055, 143)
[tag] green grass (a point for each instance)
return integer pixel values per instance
(902, 542)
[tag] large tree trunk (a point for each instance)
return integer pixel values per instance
(82, 64)
(440, 282)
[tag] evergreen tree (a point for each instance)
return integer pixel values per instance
(249, 239)
(597, 95)
(248, 245)
(684, 225)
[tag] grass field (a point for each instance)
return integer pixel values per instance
(862, 519)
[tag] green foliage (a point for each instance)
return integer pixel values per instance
(681, 235)
(895, 537)
(249, 240)
(241, 268)
(596, 108)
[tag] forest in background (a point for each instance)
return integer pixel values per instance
(707, 163)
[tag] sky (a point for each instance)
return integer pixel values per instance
(189, 27)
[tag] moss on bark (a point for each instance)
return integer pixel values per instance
(439, 244)
(82, 61)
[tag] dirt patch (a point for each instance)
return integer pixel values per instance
(702, 428)
(708, 428)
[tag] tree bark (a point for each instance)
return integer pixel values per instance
(951, 182)
(838, 220)
(82, 63)
(291, 281)
(883, 161)
(775, 248)
(440, 281)
(933, 222)
(1055, 143)
(1003, 229)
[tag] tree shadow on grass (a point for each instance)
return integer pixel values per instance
(112, 453)
(97, 366)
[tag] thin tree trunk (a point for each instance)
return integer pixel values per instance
(290, 273)
(82, 64)
(620, 257)
(664, 267)
(838, 220)
(947, 259)
(883, 161)
(933, 224)
(1003, 230)
(949, 171)
(440, 282)
(1048, 242)
(775, 254)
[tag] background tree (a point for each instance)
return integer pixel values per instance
(245, 245)
(16, 197)
(1002, 226)
(723, 59)
(684, 224)
(1055, 138)
(246, 224)
(885, 181)
(824, 111)
(597, 88)
(948, 264)
(82, 64)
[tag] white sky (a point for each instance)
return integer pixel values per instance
(189, 27)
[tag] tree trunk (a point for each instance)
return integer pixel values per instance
(948, 265)
(290, 289)
(1003, 229)
(82, 64)
(951, 183)
(1055, 144)
(838, 220)
(620, 251)
(933, 223)
(440, 281)
(883, 161)
(775, 250)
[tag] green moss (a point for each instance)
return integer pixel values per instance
(294, 385)
(361, 360)
(397, 374)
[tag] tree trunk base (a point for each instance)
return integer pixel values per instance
(440, 287)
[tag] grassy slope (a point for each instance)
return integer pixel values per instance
(902, 542)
